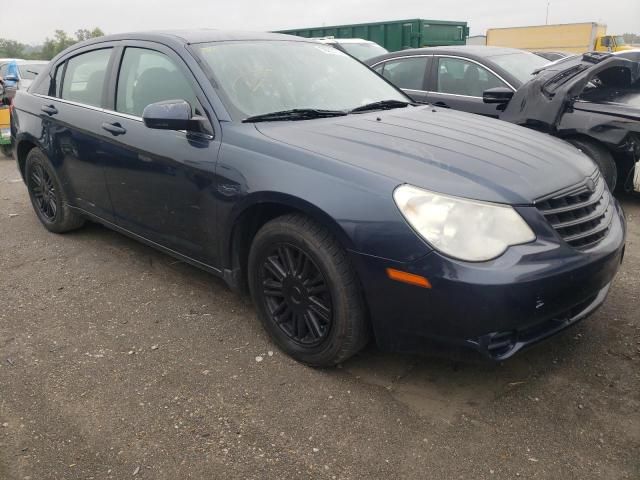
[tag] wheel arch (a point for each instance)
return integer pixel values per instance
(23, 147)
(255, 211)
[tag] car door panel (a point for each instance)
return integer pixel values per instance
(71, 118)
(162, 185)
(75, 134)
(458, 83)
(161, 182)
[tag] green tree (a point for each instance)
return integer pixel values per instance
(11, 48)
(631, 38)
(62, 40)
(86, 34)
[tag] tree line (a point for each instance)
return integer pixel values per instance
(50, 48)
(631, 38)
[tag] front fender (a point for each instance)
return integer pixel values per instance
(357, 205)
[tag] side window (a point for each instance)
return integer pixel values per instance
(379, 68)
(146, 77)
(461, 77)
(406, 72)
(57, 84)
(85, 77)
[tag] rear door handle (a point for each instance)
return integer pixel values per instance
(114, 128)
(441, 104)
(49, 109)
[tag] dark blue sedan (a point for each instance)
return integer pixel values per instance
(290, 169)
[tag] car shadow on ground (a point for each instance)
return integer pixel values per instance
(438, 387)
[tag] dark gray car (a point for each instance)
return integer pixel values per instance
(456, 76)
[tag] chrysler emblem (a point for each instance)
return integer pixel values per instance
(591, 185)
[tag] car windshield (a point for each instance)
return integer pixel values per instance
(620, 41)
(521, 64)
(29, 71)
(255, 78)
(363, 51)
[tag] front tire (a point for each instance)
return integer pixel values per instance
(602, 158)
(306, 292)
(47, 196)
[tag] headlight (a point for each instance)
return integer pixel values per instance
(465, 229)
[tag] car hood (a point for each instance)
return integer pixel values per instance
(443, 151)
(541, 102)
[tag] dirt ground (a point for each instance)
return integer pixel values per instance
(116, 361)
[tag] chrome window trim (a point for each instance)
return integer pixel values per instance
(440, 55)
(414, 90)
(90, 107)
(400, 58)
(112, 112)
(455, 95)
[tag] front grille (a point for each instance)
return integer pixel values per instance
(581, 215)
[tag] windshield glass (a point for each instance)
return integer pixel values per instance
(363, 51)
(620, 40)
(255, 78)
(28, 71)
(521, 65)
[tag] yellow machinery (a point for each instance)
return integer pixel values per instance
(5, 130)
(567, 37)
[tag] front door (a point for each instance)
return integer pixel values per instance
(162, 182)
(458, 83)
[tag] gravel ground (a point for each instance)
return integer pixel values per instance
(116, 361)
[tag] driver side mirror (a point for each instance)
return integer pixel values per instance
(172, 115)
(497, 95)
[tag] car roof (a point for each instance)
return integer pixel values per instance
(341, 40)
(203, 35)
(480, 51)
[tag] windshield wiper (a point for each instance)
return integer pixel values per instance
(295, 114)
(382, 105)
(33, 72)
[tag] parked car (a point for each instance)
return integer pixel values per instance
(19, 74)
(356, 47)
(552, 56)
(482, 80)
(291, 169)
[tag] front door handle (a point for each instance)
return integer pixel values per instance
(49, 109)
(114, 128)
(441, 104)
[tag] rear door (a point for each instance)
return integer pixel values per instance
(407, 73)
(458, 83)
(72, 116)
(162, 182)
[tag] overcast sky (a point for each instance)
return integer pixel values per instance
(31, 21)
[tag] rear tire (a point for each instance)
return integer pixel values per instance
(306, 292)
(602, 158)
(47, 195)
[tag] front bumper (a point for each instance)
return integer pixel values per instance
(498, 307)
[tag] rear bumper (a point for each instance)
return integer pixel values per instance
(496, 308)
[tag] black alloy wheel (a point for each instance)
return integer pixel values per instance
(47, 196)
(44, 192)
(296, 295)
(306, 292)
